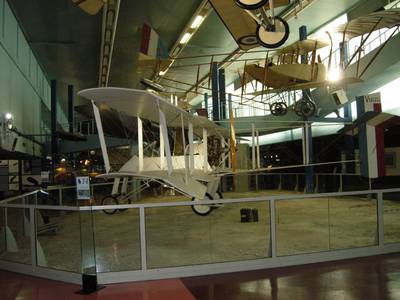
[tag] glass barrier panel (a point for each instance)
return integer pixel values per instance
(59, 241)
(45, 197)
(391, 210)
(117, 240)
(352, 221)
(354, 183)
(88, 255)
(301, 226)
(2, 232)
(15, 232)
(176, 236)
(100, 191)
(68, 197)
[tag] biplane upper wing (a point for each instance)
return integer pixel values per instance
(146, 105)
(239, 23)
(303, 47)
(371, 22)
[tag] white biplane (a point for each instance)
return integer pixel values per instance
(190, 173)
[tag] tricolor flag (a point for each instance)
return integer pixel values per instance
(371, 125)
(150, 43)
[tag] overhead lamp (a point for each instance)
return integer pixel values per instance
(8, 121)
(185, 38)
(334, 75)
(197, 22)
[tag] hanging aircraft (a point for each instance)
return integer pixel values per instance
(253, 22)
(286, 71)
(191, 172)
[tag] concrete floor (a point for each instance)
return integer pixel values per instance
(178, 237)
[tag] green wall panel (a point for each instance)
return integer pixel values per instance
(10, 32)
(2, 8)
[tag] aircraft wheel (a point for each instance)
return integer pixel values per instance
(109, 200)
(273, 36)
(251, 4)
(305, 108)
(202, 210)
(278, 109)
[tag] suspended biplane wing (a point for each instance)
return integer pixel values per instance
(243, 26)
(146, 105)
(369, 23)
(340, 83)
(287, 76)
(303, 47)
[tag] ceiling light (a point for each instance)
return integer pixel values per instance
(186, 37)
(8, 116)
(197, 22)
(334, 75)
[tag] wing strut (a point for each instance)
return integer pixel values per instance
(101, 137)
(167, 149)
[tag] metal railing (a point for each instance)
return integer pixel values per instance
(157, 240)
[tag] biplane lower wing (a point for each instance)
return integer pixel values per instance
(310, 85)
(188, 185)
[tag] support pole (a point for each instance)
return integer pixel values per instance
(54, 141)
(253, 146)
(215, 100)
(222, 95)
(140, 143)
(307, 133)
(258, 149)
(71, 108)
(348, 139)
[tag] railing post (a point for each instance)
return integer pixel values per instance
(60, 200)
(381, 223)
(143, 238)
(340, 183)
(272, 228)
(33, 236)
(280, 182)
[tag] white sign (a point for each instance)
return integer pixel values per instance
(83, 188)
